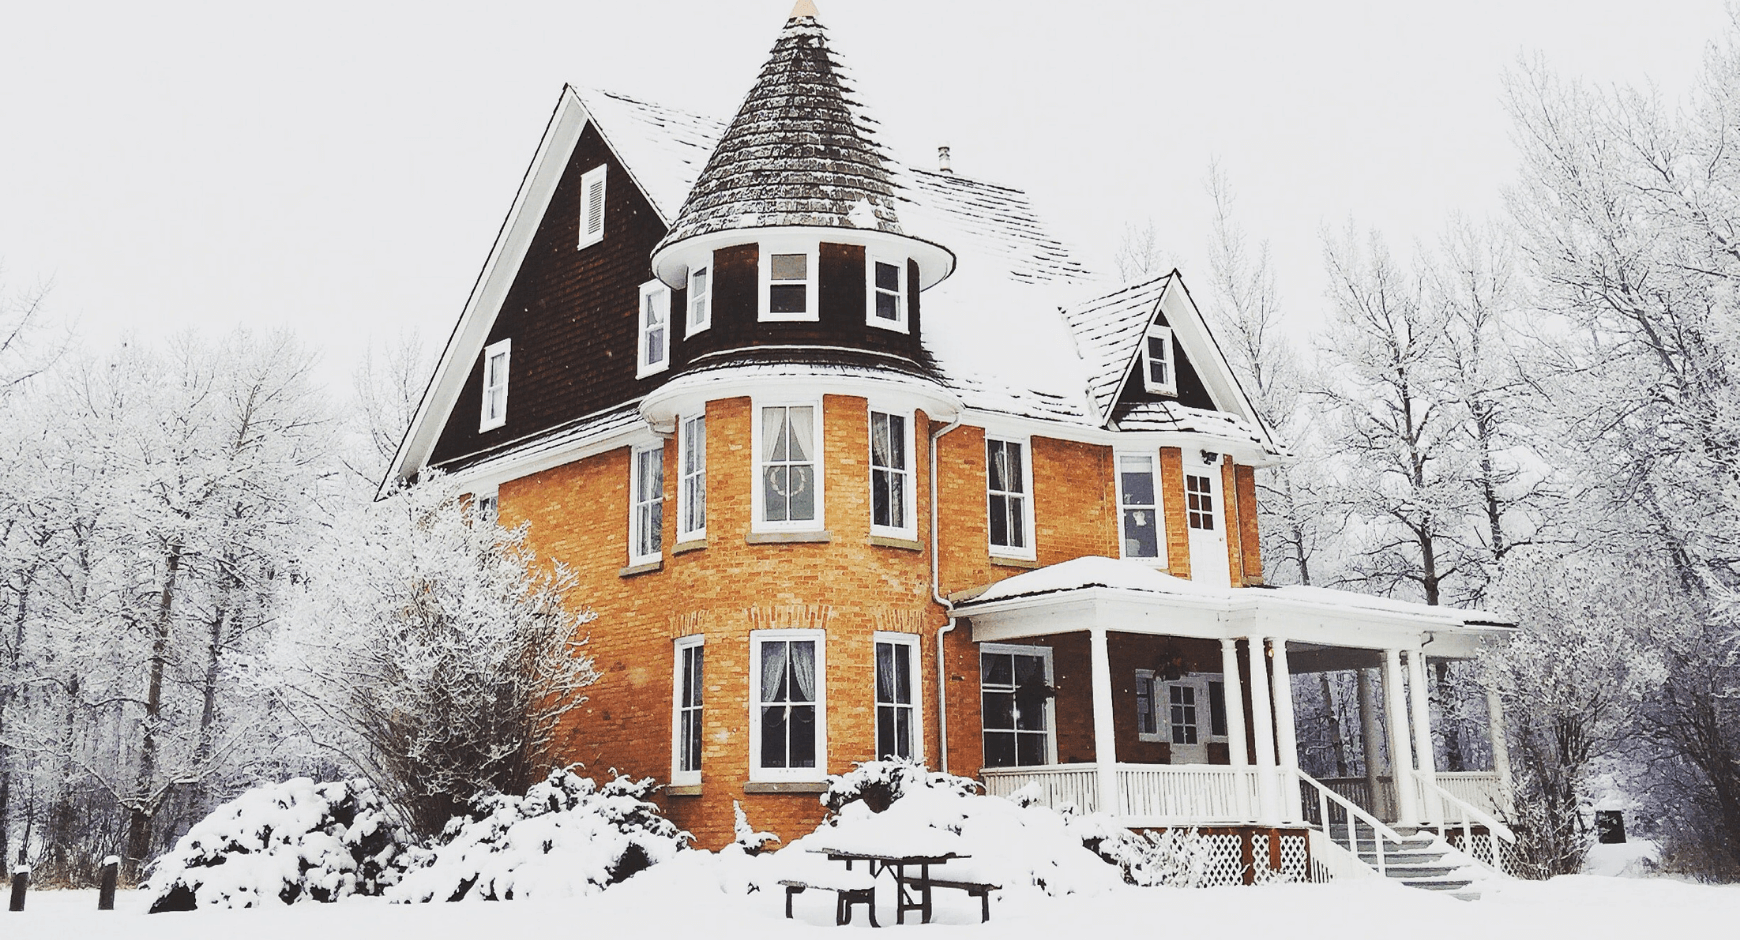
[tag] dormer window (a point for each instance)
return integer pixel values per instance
(592, 207)
(495, 385)
(788, 283)
(887, 301)
(700, 301)
(654, 344)
(1159, 375)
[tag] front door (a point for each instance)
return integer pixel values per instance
(1184, 707)
(1206, 522)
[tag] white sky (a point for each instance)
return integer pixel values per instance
(343, 167)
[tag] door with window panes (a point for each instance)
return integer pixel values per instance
(1192, 714)
(1205, 520)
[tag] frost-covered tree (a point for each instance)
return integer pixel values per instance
(446, 653)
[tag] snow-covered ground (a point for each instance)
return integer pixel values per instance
(683, 898)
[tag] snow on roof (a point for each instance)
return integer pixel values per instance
(664, 148)
(799, 152)
(1172, 416)
(1130, 575)
(1108, 331)
(578, 432)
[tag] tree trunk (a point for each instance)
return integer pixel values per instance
(1337, 740)
(142, 807)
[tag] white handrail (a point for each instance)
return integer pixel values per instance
(1495, 830)
(1380, 832)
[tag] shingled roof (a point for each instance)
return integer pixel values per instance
(800, 152)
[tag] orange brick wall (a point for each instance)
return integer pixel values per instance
(578, 514)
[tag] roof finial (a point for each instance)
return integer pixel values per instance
(804, 8)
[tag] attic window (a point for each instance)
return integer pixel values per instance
(654, 345)
(788, 284)
(495, 385)
(592, 207)
(1159, 374)
(887, 294)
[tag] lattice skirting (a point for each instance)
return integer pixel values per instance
(1226, 865)
(1482, 850)
(1293, 857)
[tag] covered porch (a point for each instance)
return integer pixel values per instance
(1186, 712)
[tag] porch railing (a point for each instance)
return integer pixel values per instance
(1324, 808)
(1187, 793)
(1480, 789)
(1059, 784)
(1455, 813)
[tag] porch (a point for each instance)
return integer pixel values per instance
(1189, 705)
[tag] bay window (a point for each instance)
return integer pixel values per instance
(788, 457)
(692, 479)
(646, 504)
(788, 705)
(686, 701)
(892, 496)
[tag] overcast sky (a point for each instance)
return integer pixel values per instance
(343, 167)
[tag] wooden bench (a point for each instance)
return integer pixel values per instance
(847, 890)
(974, 889)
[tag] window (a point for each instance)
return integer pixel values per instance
(789, 491)
(692, 480)
(647, 510)
(495, 385)
(1199, 501)
(1216, 709)
(788, 284)
(1015, 697)
(896, 704)
(686, 713)
(787, 731)
(592, 207)
(1138, 507)
(1147, 720)
(485, 507)
(654, 346)
(1010, 509)
(887, 301)
(1181, 712)
(891, 492)
(700, 301)
(1158, 375)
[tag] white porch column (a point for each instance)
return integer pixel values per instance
(1286, 735)
(1105, 743)
(1500, 747)
(1368, 741)
(1263, 731)
(1401, 762)
(1425, 762)
(1232, 692)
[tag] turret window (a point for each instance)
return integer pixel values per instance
(646, 520)
(887, 304)
(655, 329)
(700, 301)
(1159, 375)
(788, 492)
(686, 702)
(788, 284)
(692, 485)
(788, 737)
(891, 491)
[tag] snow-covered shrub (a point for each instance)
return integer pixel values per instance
(879, 783)
(566, 837)
(752, 842)
(1174, 858)
(288, 842)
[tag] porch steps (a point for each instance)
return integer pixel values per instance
(1423, 861)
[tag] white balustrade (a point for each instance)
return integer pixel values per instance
(1059, 784)
(1200, 794)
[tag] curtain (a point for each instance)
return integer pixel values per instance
(773, 670)
(803, 668)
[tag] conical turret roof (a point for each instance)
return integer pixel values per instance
(799, 153)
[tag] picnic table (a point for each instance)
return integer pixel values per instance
(879, 862)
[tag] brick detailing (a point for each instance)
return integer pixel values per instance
(1230, 520)
(688, 623)
(796, 617)
(899, 621)
(1172, 505)
(1253, 546)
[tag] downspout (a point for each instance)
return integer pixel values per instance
(942, 686)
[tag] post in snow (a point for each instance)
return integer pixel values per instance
(20, 884)
(106, 893)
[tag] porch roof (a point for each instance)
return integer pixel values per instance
(1129, 596)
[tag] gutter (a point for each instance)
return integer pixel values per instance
(942, 697)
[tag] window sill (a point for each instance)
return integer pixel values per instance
(693, 545)
(780, 538)
(647, 568)
(784, 786)
(1253, 580)
(889, 541)
(688, 789)
(1007, 562)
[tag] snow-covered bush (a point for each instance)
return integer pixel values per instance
(750, 841)
(288, 842)
(1174, 858)
(879, 783)
(566, 837)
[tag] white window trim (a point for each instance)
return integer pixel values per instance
(1156, 331)
(685, 428)
(594, 175)
(1159, 734)
(1159, 560)
(486, 503)
(1162, 705)
(909, 492)
(757, 772)
(757, 523)
(505, 349)
(767, 250)
(1050, 703)
(658, 293)
(1217, 501)
(1028, 552)
(681, 778)
(635, 502)
(690, 327)
(898, 324)
(914, 664)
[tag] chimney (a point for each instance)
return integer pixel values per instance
(942, 160)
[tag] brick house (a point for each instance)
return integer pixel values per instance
(854, 460)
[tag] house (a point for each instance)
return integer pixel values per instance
(855, 460)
